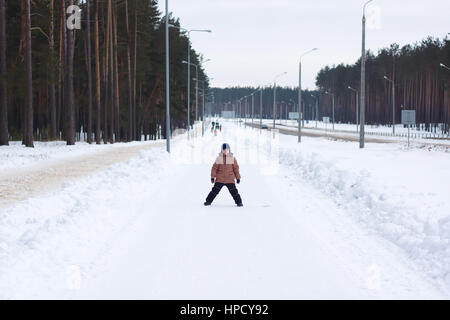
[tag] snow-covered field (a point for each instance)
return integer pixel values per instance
(399, 128)
(380, 132)
(320, 220)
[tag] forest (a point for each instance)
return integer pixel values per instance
(421, 84)
(102, 82)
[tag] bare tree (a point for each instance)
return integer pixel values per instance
(111, 71)
(97, 74)
(89, 63)
(3, 70)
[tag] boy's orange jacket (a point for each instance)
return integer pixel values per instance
(225, 169)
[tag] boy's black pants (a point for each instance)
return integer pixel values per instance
(218, 186)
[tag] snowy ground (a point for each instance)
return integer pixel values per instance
(321, 220)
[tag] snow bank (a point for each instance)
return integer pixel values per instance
(42, 238)
(18, 156)
(409, 207)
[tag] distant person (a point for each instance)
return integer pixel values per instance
(225, 172)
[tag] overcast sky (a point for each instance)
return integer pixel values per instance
(254, 40)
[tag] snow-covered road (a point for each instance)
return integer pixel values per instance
(139, 230)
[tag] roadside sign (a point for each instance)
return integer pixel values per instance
(293, 115)
(409, 117)
(326, 119)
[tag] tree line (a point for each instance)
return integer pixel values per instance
(420, 84)
(104, 81)
(287, 101)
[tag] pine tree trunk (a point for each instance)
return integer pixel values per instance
(116, 79)
(106, 79)
(130, 93)
(3, 89)
(135, 133)
(89, 63)
(52, 73)
(111, 71)
(70, 106)
(97, 75)
(60, 72)
(29, 104)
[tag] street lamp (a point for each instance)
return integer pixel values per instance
(275, 96)
(253, 103)
(317, 107)
(203, 104)
(332, 95)
(444, 66)
(196, 94)
(240, 110)
(363, 78)
(189, 68)
(246, 113)
(300, 114)
(357, 93)
(196, 89)
(393, 103)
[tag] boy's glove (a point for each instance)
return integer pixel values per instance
(238, 181)
(213, 180)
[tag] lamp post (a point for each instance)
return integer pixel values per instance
(260, 108)
(253, 103)
(393, 103)
(189, 69)
(332, 96)
(247, 107)
(196, 87)
(363, 79)
(300, 114)
(317, 107)
(275, 96)
(240, 110)
(196, 98)
(357, 93)
(253, 106)
(203, 104)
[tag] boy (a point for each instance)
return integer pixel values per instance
(224, 172)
